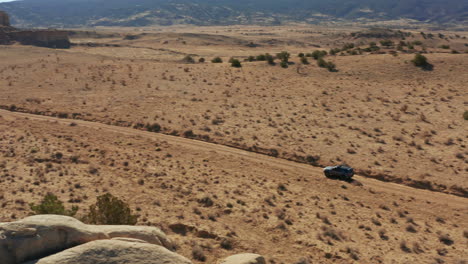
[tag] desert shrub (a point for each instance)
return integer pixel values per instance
(318, 54)
(283, 56)
(217, 60)
(235, 63)
(110, 210)
(386, 43)
(201, 60)
(251, 58)
(197, 253)
(330, 66)
(188, 59)
(270, 59)
(334, 51)
(301, 55)
(284, 64)
(404, 247)
(52, 205)
(445, 239)
(417, 43)
(153, 127)
(444, 46)
(261, 57)
(304, 60)
(321, 63)
(420, 60)
(348, 46)
(227, 243)
(465, 115)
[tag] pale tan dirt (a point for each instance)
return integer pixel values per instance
(379, 114)
(273, 207)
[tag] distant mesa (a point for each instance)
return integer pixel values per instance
(43, 38)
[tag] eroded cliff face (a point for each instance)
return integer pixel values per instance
(4, 19)
(42, 38)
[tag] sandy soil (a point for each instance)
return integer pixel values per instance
(281, 209)
(379, 113)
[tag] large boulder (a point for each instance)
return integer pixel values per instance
(42, 235)
(244, 258)
(115, 251)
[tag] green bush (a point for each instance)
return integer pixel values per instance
(348, 46)
(217, 60)
(330, 66)
(386, 43)
(334, 51)
(109, 210)
(270, 59)
(251, 58)
(235, 63)
(321, 63)
(301, 55)
(201, 60)
(444, 46)
(52, 205)
(465, 115)
(283, 56)
(420, 60)
(261, 57)
(284, 64)
(304, 60)
(318, 54)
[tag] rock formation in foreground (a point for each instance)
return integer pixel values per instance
(45, 239)
(42, 38)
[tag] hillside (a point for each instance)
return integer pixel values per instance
(71, 13)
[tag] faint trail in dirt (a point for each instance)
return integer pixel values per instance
(376, 185)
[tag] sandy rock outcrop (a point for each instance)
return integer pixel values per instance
(244, 258)
(43, 38)
(42, 235)
(4, 19)
(114, 251)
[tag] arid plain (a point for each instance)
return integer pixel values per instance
(232, 161)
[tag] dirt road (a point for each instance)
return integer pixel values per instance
(375, 185)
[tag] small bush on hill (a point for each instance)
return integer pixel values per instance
(52, 205)
(201, 60)
(217, 60)
(318, 54)
(270, 59)
(235, 63)
(261, 57)
(283, 56)
(386, 43)
(251, 58)
(420, 60)
(330, 66)
(109, 210)
(304, 60)
(465, 115)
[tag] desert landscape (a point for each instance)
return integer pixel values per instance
(226, 157)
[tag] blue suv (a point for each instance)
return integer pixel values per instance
(341, 172)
